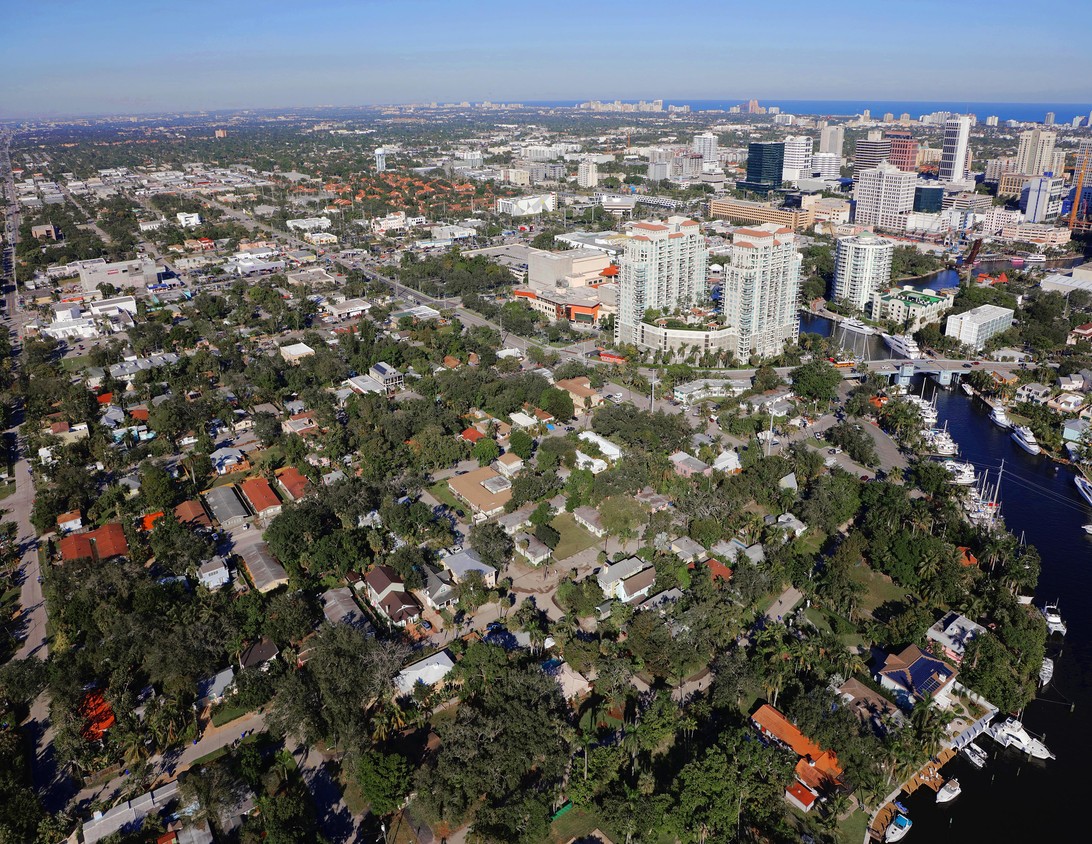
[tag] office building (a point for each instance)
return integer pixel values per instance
(765, 164)
(706, 145)
(883, 196)
(1041, 199)
(796, 164)
(746, 211)
(663, 267)
(928, 199)
(587, 174)
(955, 154)
(870, 152)
(826, 165)
(974, 327)
(380, 160)
(832, 139)
(862, 265)
(761, 290)
(1036, 154)
(1049, 119)
(904, 150)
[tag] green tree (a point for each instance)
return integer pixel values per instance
(486, 451)
(384, 780)
(521, 443)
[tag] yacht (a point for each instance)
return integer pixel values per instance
(1083, 487)
(1046, 671)
(1054, 621)
(999, 418)
(1011, 733)
(1023, 437)
(975, 755)
(949, 791)
(962, 473)
(940, 442)
(1034, 259)
(966, 388)
(859, 327)
(897, 829)
(1087, 528)
(903, 345)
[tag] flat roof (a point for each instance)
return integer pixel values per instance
(472, 488)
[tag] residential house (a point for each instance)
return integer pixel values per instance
(261, 497)
(192, 514)
(339, 607)
(483, 490)
(214, 574)
(214, 689)
(607, 449)
(512, 523)
(296, 352)
(687, 549)
(590, 520)
(1079, 334)
(611, 578)
(591, 464)
(522, 421)
(259, 654)
(870, 706)
(303, 423)
(509, 464)
(226, 460)
(1033, 392)
(791, 524)
(292, 482)
(388, 376)
(439, 591)
(953, 632)
(1066, 403)
(101, 544)
(264, 570)
(817, 770)
(728, 462)
(687, 466)
(915, 675)
(574, 685)
(648, 497)
(465, 562)
(637, 586)
(531, 548)
(387, 594)
(426, 672)
(70, 522)
(226, 507)
(584, 396)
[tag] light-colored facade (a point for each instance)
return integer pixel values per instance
(1041, 198)
(140, 273)
(974, 327)
(664, 267)
(797, 163)
(1036, 154)
(762, 290)
(827, 165)
(884, 196)
(526, 206)
(748, 211)
(706, 145)
(587, 174)
(862, 265)
(832, 139)
(909, 307)
(954, 154)
(870, 152)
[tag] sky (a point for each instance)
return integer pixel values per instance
(132, 56)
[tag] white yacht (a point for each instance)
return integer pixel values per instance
(1054, 621)
(1087, 528)
(975, 755)
(1046, 671)
(999, 418)
(853, 324)
(897, 829)
(966, 388)
(1011, 733)
(962, 473)
(1034, 259)
(940, 442)
(903, 346)
(1023, 437)
(949, 791)
(1083, 487)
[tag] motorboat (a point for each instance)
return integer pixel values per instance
(1023, 437)
(940, 442)
(975, 755)
(1017, 261)
(1054, 621)
(999, 418)
(1011, 733)
(1083, 487)
(949, 791)
(903, 346)
(966, 388)
(962, 473)
(1046, 671)
(1088, 528)
(897, 829)
(853, 324)
(1034, 259)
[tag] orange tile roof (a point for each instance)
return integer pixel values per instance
(294, 483)
(813, 757)
(192, 513)
(105, 398)
(966, 557)
(259, 493)
(76, 546)
(471, 435)
(110, 541)
(99, 715)
(149, 520)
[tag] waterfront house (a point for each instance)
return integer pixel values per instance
(1033, 392)
(952, 633)
(816, 771)
(915, 675)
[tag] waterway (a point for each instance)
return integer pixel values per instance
(1014, 798)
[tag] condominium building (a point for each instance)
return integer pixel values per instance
(706, 145)
(826, 165)
(832, 139)
(796, 164)
(974, 327)
(1036, 153)
(904, 150)
(870, 152)
(663, 267)
(909, 307)
(862, 265)
(587, 174)
(884, 195)
(658, 171)
(765, 164)
(762, 289)
(955, 154)
(516, 176)
(1041, 199)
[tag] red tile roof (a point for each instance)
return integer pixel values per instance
(101, 544)
(192, 513)
(816, 765)
(259, 493)
(99, 715)
(471, 435)
(293, 481)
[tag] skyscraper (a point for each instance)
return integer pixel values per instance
(862, 265)
(587, 174)
(664, 266)
(1049, 120)
(954, 154)
(827, 165)
(765, 163)
(1041, 198)
(761, 290)
(883, 196)
(870, 151)
(706, 145)
(904, 150)
(1036, 154)
(797, 161)
(832, 139)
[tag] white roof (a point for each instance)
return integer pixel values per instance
(429, 671)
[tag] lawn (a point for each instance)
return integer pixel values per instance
(812, 542)
(76, 364)
(442, 494)
(228, 714)
(578, 823)
(6, 489)
(574, 538)
(852, 830)
(879, 588)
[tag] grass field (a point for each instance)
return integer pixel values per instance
(577, 823)
(879, 588)
(852, 829)
(574, 538)
(442, 494)
(75, 364)
(228, 714)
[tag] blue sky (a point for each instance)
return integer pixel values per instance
(122, 56)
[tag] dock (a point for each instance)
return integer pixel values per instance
(928, 777)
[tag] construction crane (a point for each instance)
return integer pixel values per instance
(1076, 221)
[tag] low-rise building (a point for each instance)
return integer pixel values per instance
(261, 497)
(426, 672)
(589, 518)
(214, 574)
(915, 675)
(953, 632)
(607, 449)
(226, 507)
(465, 562)
(584, 396)
(295, 352)
(817, 770)
(974, 327)
(265, 572)
(909, 307)
(485, 491)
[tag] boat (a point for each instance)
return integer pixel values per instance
(975, 755)
(1034, 259)
(857, 326)
(962, 473)
(1046, 671)
(1083, 487)
(1017, 261)
(897, 829)
(999, 418)
(966, 388)
(903, 345)
(940, 442)
(1011, 733)
(1054, 621)
(949, 791)
(1087, 528)
(1023, 437)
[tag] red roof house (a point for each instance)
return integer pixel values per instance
(261, 497)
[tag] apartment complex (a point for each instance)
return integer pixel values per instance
(974, 327)
(862, 265)
(884, 196)
(587, 174)
(663, 267)
(1036, 153)
(762, 290)
(796, 164)
(909, 307)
